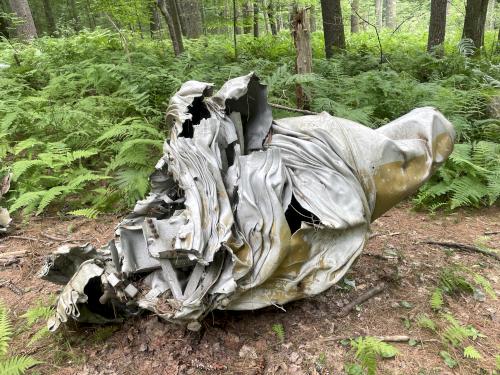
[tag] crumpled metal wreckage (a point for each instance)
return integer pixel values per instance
(5, 218)
(246, 211)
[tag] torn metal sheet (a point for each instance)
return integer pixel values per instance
(5, 218)
(246, 212)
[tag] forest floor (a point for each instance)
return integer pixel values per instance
(245, 342)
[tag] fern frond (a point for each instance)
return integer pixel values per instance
(20, 167)
(437, 299)
(89, 213)
(17, 365)
(425, 322)
(28, 199)
(34, 314)
(471, 352)
(25, 144)
(279, 330)
(49, 195)
(5, 330)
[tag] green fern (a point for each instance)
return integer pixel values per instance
(16, 365)
(471, 352)
(437, 299)
(425, 322)
(369, 349)
(279, 330)
(89, 213)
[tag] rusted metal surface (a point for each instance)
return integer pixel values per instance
(246, 212)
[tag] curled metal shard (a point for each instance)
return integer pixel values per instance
(246, 212)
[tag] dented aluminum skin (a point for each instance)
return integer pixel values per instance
(246, 212)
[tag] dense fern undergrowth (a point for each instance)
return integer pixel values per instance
(82, 117)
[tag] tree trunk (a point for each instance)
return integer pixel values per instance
(333, 26)
(437, 24)
(266, 17)
(312, 19)
(172, 24)
(190, 18)
(154, 21)
(247, 23)
(25, 30)
(73, 11)
(255, 19)
(4, 24)
(272, 18)
(390, 14)
(475, 19)
(491, 14)
(90, 15)
(378, 13)
(235, 27)
(354, 16)
(303, 64)
(49, 16)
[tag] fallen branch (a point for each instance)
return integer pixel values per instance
(491, 233)
(59, 239)
(464, 247)
(11, 286)
(25, 239)
(10, 262)
(395, 338)
(289, 109)
(377, 289)
(14, 254)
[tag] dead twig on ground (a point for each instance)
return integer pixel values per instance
(289, 109)
(11, 286)
(464, 247)
(392, 338)
(10, 262)
(59, 239)
(25, 238)
(491, 233)
(14, 254)
(377, 289)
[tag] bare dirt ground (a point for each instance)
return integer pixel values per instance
(244, 342)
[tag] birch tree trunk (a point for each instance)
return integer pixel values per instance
(190, 18)
(25, 30)
(354, 16)
(390, 14)
(378, 13)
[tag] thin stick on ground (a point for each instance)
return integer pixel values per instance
(377, 289)
(392, 338)
(464, 247)
(289, 109)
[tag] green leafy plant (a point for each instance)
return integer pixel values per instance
(279, 330)
(367, 351)
(11, 365)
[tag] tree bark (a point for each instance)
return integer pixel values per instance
(333, 26)
(247, 23)
(390, 14)
(154, 21)
(190, 18)
(255, 19)
(437, 24)
(378, 13)
(25, 30)
(73, 11)
(235, 27)
(172, 24)
(303, 64)
(354, 16)
(49, 16)
(272, 18)
(4, 24)
(491, 13)
(312, 19)
(475, 19)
